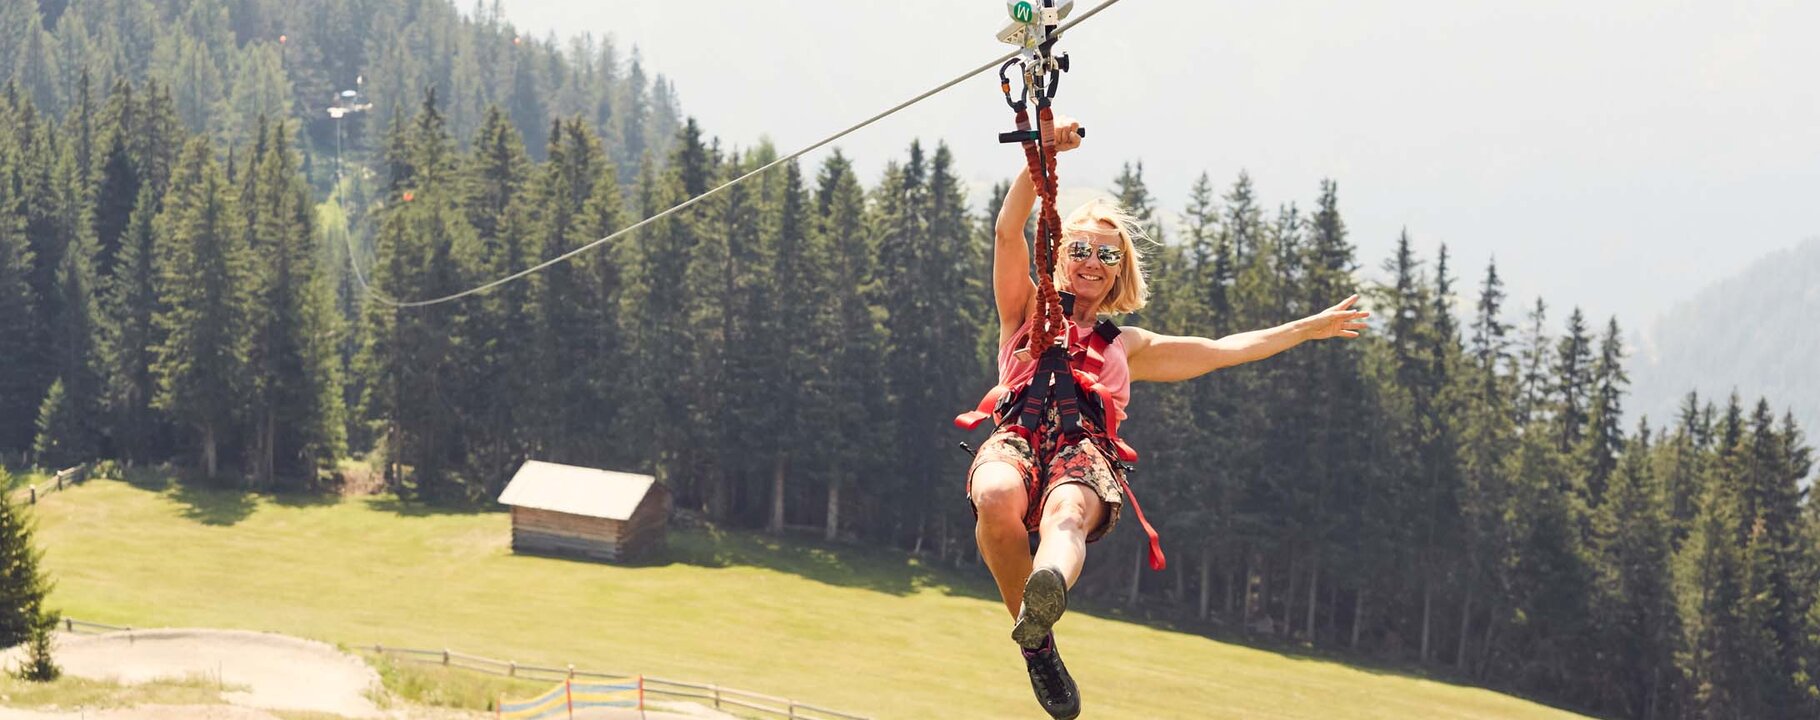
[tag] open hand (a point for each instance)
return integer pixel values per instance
(1337, 321)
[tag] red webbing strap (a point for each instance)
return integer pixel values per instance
(1157, 561)
(972, 418)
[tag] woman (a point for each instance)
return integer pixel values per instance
(1070, 492)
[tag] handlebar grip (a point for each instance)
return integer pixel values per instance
(1018, 136)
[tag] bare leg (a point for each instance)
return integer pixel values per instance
(998, 495)
(1070, 512)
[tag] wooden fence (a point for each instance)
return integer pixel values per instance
(63, 479)
(721, 698)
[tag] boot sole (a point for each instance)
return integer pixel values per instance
(1045, 599)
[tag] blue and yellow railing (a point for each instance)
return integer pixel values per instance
(569, 696)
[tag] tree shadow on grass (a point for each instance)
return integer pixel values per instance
(304, 499)
(417, 508)
(832, 563)
(213, 505)
(156, 478)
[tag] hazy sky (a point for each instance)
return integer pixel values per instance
(1616, 155)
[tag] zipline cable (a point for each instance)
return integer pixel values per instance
(376, 295)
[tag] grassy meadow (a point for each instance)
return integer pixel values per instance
(854, 629)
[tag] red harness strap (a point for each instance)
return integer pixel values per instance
(1021, 410)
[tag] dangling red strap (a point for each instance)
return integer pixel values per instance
(1157, 561)
(972, 418)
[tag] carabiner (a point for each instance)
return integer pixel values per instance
(1004, 84)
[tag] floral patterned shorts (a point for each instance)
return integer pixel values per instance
(1085, 462)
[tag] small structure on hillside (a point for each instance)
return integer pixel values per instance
(578, 511)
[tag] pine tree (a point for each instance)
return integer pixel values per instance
(203, 284)
(157, 139)
(420, 363)
(1202, 242)
(1543, 641)
(726, 297)
(526, 104)
(1711, 577)
(1242, 223)
(652, 310)
(856, 361)
(18, 387)
(565, 348)
(74, 326)
(1532, 358)
(62, 441)
(1573, 370)
(297, 403)
(131, 336)
(1337, 398)
(23, 582)
(633, 105)
(39, 197)
(604, 214)
(36, 67)
(1135, 198)
(117, 178)
(801, 403)
(1686, 451)
(1487, 438)
(1639, 622)
(1782, 572)
(500, 210)
(1597, 452)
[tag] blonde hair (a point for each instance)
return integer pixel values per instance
(1129, 292)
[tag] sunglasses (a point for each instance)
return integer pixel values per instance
(1081, 249)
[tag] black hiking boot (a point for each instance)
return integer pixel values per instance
(1045, 599)
(1049, 678)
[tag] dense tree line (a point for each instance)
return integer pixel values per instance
(226, 63)
(1458, 490)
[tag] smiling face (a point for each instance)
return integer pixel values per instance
(1107, 271)
(1084, 252)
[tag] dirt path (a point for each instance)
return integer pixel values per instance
(267, 671)
(276, 672)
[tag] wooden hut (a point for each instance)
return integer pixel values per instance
(577, 511)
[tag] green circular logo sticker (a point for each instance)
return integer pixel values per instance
(1022, 12)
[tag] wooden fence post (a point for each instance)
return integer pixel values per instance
(34, 493)
(512, 668)
(445, 657)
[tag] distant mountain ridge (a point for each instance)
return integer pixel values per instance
(1755, 331)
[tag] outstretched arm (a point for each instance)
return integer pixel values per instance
(1168, 358)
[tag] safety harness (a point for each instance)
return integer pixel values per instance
(1067, 370)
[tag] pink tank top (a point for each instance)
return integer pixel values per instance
(1115, 374)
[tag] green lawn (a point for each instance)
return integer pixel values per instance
(852, 629)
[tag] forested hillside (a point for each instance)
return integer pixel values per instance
(1751, 332)
(181, 280)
